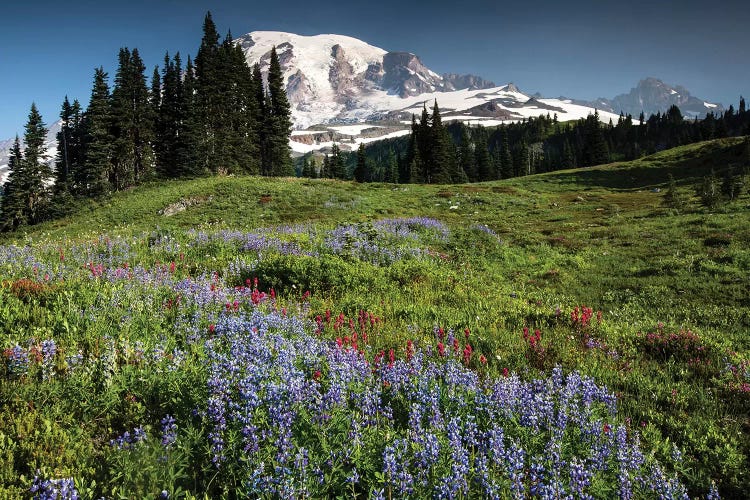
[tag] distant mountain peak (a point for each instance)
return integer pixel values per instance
(652, 95)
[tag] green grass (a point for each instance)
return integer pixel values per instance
(599, 237)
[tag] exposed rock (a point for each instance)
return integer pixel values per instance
(183, 204)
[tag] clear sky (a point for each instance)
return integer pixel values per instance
(577, 48)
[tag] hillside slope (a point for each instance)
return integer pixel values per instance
(136, 315)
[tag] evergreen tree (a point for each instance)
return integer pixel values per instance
(155, 94)
(29, 195)
(392, 171)
(361, 170)
(568, 158)
(596, 151)
(325, 169)
(522, 160)
(673, 198)
(68, 158)
(12, 206)
(261, 117)
(132, 123)
(441, 161)
(336, 166)
(94, 173)
(506, 157)
(482, 160)
(466, 155)
(733, 184)
(245, 147)
(209, 112)
(709, 190)
(63, 160)
(742, 105)
(415, 164)
(279, 124)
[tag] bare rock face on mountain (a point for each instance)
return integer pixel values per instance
(455, 81)
(406, 76)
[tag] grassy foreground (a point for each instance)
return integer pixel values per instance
(557, 334)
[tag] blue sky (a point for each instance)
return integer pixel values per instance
(578, 48)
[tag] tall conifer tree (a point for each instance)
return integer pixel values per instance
(279, 125)
(94, 173)
(12, 207)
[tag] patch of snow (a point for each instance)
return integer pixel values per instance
(709, 105)
(353, 129)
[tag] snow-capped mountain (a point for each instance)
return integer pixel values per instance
(50, 145)
(651, 96)
(335, 80)
(335, 77)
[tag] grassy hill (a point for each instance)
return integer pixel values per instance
(672, 341)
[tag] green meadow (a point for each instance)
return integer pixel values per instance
(665, 294)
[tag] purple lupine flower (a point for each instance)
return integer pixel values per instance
(53, 489)
(168, 431)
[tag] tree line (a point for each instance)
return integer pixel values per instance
(438, 153)
(214, 115)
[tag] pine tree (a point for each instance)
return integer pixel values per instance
(243, 112)
(279, 124)
(361, 170)
(482, 158)
(441, 163)
(28, 194)
(261, 117)
(392, 172)
(13, 202)
(208, 99)
(96, 165)
(673, 198)
(337, 169)
(709, 191)
(596, 151)
(506, 156)
(67, 160)
(63, 158)
(466, 155)
(568, 158)
(521, 160)
(132, 123)
(742, 105)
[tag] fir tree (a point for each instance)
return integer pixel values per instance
(482, 158)
(361, 169)
(29, 196)
(673, 198)
(63, 160)
(466, 155)
(709, 191)
(568, 157)
(336, 166)
(279, 124)
(132, 123)
(506, 157)
(415, 164)
(67, 160)
(208, 99)
(12, 207)
(261, 117)
(441, 161)
(94, 173)
(392, 171)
